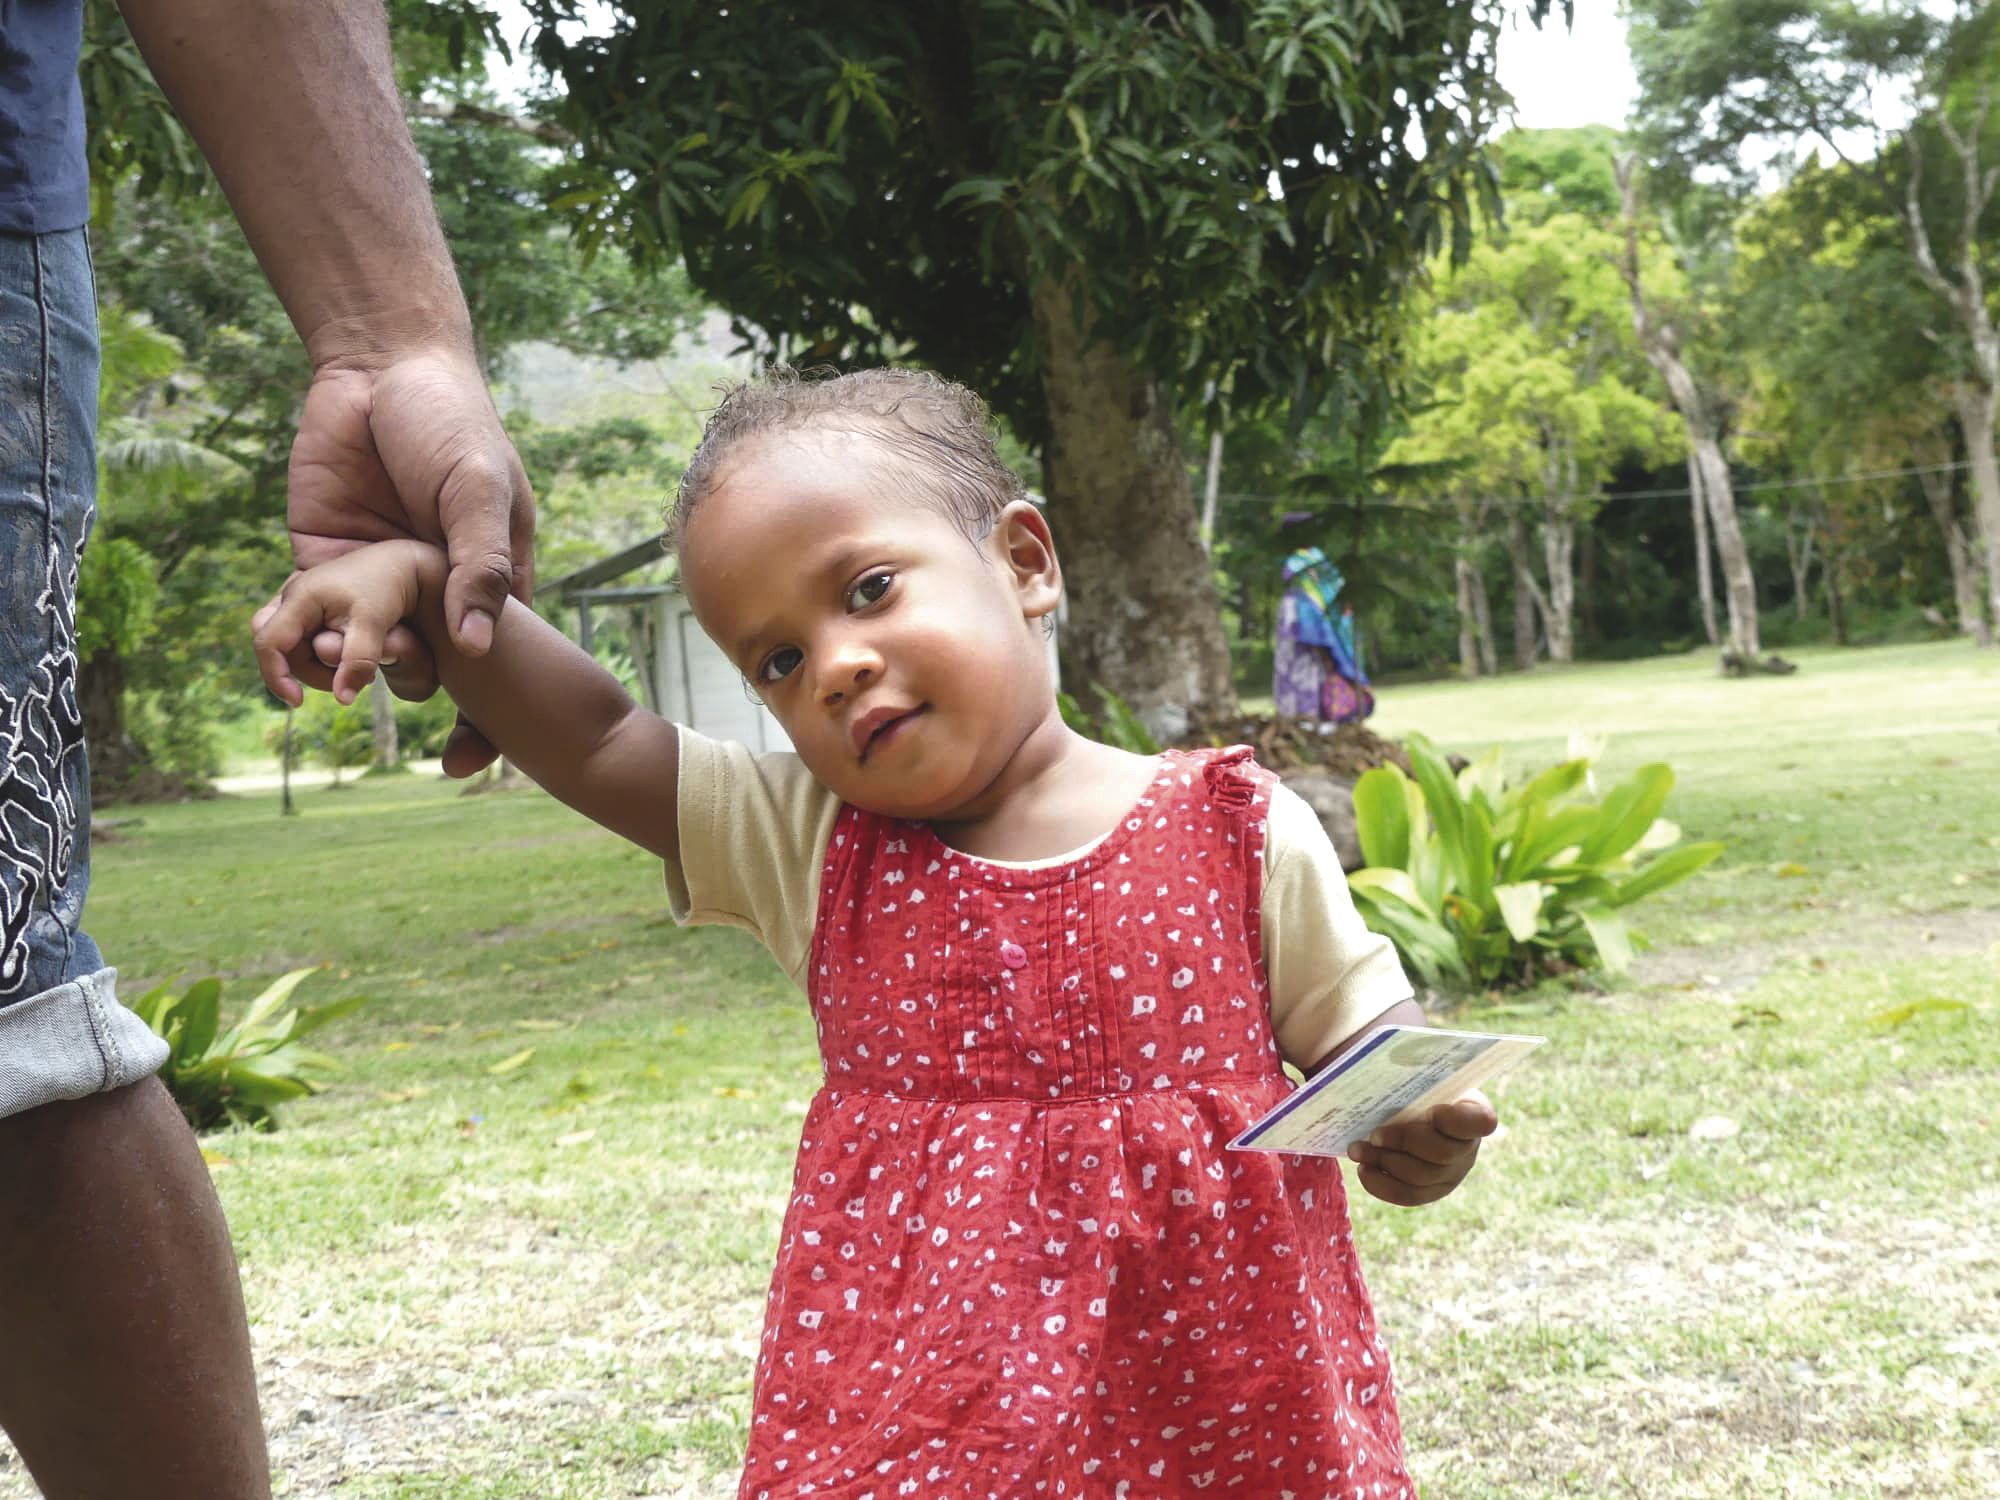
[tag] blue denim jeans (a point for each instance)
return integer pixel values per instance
(62, 1032)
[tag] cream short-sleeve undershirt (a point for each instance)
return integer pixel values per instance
(753, 835)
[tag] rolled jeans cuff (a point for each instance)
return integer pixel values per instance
(70, 1041)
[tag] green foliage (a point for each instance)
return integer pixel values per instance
(239, 1076)
(1117, 724)
(1533, 368)
(1485, 883)
(523, 275)
(337, 735)
(115, 595)
(1243, 191)
(1545, 172)
(423, 728)
(1716, 74)
(136, 141)
(181, 728)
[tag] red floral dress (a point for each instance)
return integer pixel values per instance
(1019, 1260)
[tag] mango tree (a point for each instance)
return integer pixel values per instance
(1088, 211)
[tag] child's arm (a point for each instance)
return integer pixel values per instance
(547, 706)
(1333, 982)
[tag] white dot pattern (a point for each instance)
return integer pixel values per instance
(1018, 1259)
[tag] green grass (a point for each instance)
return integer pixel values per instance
(547, 1280)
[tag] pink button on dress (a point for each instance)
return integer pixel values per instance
(1018, 1260)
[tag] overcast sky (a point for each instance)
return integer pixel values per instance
(1566, 77)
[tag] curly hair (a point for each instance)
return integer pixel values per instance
(938, 434)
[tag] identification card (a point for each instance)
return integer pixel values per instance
(1396, 1073)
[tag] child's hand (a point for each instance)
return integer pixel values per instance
(358, 598)
(1422, 1160)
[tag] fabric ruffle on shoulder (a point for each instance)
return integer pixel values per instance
(1228, 775)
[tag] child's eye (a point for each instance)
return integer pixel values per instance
(870, 590)
(780, 663)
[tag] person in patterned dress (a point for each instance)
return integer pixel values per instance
(1051, 981)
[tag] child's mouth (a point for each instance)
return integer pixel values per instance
(883, 732)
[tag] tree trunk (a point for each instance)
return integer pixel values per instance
(1738, 582)
(1958, 552)
(1975, 420)
(1836, 608)
(1586, 587)
(382, 712)
(1143, 615)
(1558, 552)
(286, 750)
(1798, 552)
(115, 757)
(1965, 290)
(1528, 599)
(1661, 344)
(1482, 611)
(1210, 489)
(1468, 620)
(1475, 628)
(1704, 571)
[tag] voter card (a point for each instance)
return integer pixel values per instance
(1395, 1073)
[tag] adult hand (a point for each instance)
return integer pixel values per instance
(410, 445)
(1421, 1161)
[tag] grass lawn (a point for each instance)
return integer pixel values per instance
(521, 1249)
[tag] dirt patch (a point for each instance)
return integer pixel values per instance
(1845, 942)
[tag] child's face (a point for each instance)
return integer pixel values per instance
(906, 662)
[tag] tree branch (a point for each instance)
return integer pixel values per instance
(458, 111)
(1919, 235)
(1977, 190)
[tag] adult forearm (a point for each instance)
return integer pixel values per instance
(294, 103)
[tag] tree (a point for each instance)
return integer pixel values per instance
(1659, 319)
(1824, 304)
(1718, 77)
(1532, 375)
(1086, 211)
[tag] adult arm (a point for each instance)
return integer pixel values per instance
(296, 107)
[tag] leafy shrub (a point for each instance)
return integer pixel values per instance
(422, 728)
(337, 735)
(1118, 725)
(179, 729)
(1483, 883)
(239, 1076)
(116, 594)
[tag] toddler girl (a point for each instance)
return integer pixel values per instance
(1051, 980)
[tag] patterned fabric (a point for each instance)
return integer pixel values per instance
(1299, 671)
(1314, 584)
(1018, 1259)
(1317, 672)
(62, 1032)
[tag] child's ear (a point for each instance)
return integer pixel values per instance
(1029, 554)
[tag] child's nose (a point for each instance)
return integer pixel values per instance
(847, 670)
